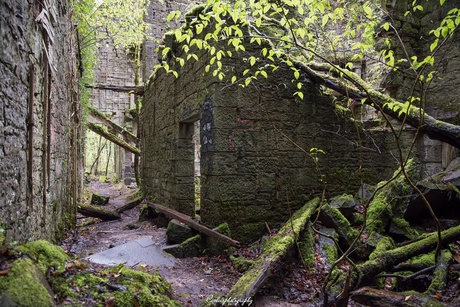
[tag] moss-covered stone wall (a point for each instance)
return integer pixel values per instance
(255, 145)
(441, 97)
(40, 138)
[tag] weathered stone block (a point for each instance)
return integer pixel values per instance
(178, 232)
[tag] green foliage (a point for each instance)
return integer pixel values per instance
(121, 22)
(307, 29)
(88, 51)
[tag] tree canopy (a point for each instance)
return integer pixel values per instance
(320, 41)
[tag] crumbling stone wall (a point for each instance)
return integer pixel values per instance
(255, 163)
(443, 93)
(40, 139)
(157, 12)
(115, 67)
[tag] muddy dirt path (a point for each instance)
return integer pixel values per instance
(193, 279)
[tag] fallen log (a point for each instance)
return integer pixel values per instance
(113, 138)
(383, 298)
(130, 204)
(93, 211)
(364, 273)
(187, 220)
(129, 137)
(274, 251)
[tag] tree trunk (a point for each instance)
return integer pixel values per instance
(275, 250)
(113, 138)
(131, 204)
(383, 298)
(128, 136)
(414, 116)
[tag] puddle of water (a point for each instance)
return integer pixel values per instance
(140, 251)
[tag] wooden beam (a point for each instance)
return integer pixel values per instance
(138, 90)
(129, 137)
(113, 138)
(187, 220)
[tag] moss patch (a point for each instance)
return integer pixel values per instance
(241, 264)
(25, 285)
(142, 289)
(45, 254)
(389, 201)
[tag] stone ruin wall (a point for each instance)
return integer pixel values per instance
(443, 95)
(40, 139)
(157, 12)
(115, 67)
(254, 143)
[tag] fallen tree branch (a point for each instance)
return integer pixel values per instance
(414, 116)
(113, 138)
(187, 220)
(275, 249)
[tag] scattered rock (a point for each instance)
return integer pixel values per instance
(178, 232)
(99, 200)
(192, 247)
(216, 247)
(345, 204)
(442, 191)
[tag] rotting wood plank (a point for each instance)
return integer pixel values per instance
(113, 138)
(187, 220)
(274, 251)
(138, 90)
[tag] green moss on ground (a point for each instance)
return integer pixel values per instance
(143, 289)
(241, 264)
(25, 285)
(45, 255)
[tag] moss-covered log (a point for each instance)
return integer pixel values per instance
(439, 281)
(274, 251)
(413, 116)
(128, 136)
(113, 138)
(93, 211)
(385, 261)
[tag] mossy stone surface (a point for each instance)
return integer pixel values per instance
(178, 232)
